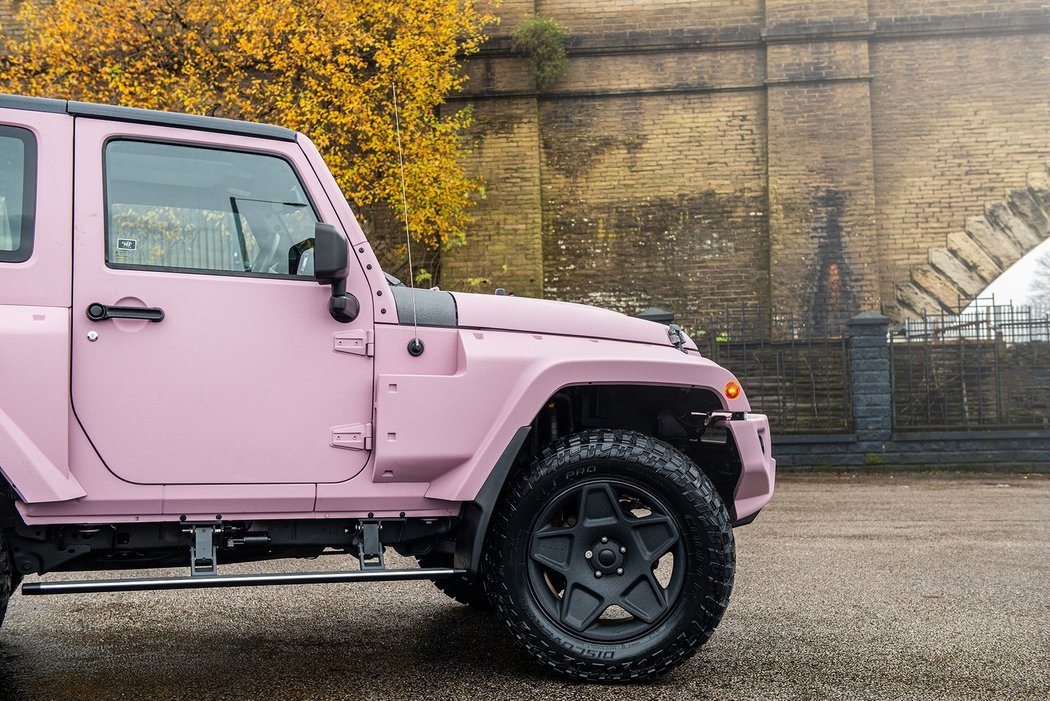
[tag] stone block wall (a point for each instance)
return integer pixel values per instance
(954, 14)
(958, 120)
(816, 156)
(507, 250)
(821, 180)
(8, 13)
(590, 17)
(703, 206)
(809, 17)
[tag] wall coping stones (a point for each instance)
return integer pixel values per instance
(869, 319)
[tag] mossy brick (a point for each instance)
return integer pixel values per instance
(857, 136)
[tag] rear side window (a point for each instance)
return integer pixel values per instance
(17, 193)
(196, 209)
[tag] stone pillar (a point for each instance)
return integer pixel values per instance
(870, 380)
(823, 247)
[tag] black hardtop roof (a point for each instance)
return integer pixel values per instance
(140, 116)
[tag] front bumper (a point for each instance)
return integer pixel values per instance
(754, 445)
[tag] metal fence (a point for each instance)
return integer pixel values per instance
(987, 368)
(803, 384)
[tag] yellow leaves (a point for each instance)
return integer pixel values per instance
(324, 67)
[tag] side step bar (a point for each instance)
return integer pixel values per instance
(235, 580)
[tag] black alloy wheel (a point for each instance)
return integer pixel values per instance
(611, 557)
(623, 532)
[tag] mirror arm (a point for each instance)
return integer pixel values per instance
(343, 307)
(331, 252)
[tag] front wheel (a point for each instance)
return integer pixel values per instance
(469, 592)
(611, 557)
(8, 578)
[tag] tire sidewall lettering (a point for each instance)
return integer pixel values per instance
(625, 457)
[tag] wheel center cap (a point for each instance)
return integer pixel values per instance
(606, 557)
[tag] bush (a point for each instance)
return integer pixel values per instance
(543, 40)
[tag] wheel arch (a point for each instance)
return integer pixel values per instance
(508, 384)
(654, 410)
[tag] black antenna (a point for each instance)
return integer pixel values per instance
(415, 346)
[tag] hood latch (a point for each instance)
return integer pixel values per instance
(677, 336)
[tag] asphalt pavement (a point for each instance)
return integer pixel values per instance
(886, 586)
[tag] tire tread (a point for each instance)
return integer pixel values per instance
(665, 461)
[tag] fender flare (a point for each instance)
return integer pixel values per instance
(477, 514)
(29, 471)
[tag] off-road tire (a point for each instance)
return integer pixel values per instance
(8, 579)
(627, 463)
(467, 592)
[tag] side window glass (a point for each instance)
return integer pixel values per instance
(17, 193)
(194, 209)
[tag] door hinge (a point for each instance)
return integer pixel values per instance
(355, 342)
(352, 436)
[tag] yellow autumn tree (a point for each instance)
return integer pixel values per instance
(323, 67)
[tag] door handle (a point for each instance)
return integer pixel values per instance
(100, 312)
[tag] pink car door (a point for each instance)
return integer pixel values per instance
(227, 371)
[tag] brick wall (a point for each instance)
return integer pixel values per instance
(506, 251)
(957, 121)
(8, 12)
(812, 16)
(819, 156)
(823, 147)
(583, 17)
(891, 14)
(821, 179)
(670, 243)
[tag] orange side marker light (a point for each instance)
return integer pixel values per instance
(732, 390)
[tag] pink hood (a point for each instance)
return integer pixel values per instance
(561, 318)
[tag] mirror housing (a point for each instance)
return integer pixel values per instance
(331, 254)
(332, 267)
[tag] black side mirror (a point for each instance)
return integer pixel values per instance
(332, 267)
(331, 254)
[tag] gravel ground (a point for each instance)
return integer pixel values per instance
(848, 587)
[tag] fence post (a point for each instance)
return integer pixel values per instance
(870, 383)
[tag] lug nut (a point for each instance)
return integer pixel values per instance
(619, 571)
(588, 554)
(623, 550)
(598, 574)
(605, 539)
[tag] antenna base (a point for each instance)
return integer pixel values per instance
(416, 348)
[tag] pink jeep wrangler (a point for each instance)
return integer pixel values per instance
(177, 388)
